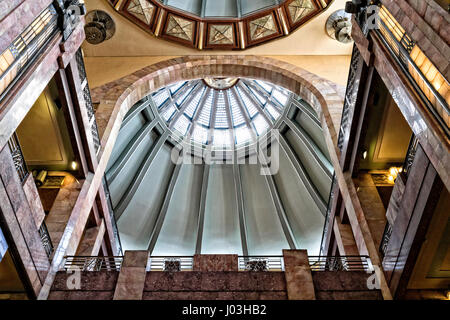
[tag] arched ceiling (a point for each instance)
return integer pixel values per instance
(219, 112)
(181, 208)
(222, 25)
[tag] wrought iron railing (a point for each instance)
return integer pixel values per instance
(261, 263)
(46, 240)
(85, 263)
(432, 88)
(18, 159)
(171, 264)
(350, 94)
(341, 263)
(88, 100)
(386, 238)
(410, 156)
(333, 193)
(16, 59)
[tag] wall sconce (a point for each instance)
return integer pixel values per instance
(74, 165)
(393, 173)
(364, 155)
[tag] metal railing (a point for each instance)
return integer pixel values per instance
(386, 238)
(341, 263)
(245, 263)
(26, 48)
(410, 156)
(261, 263)
(408, 55)
(171, 264)
(46, 240)
(18, 159)
(86, 263)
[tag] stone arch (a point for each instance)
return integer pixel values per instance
(117, 97)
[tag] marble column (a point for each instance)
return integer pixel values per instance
(298, 275)
(130, 285)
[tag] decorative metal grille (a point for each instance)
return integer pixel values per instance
(351, 94)
(386, 238)
(18, 159)
(46, 240)
(87, 99)
(257, 265)
(410, 156)
(172, 265)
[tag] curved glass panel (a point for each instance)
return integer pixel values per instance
(242, 111)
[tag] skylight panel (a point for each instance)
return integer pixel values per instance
(281, 97)
(272, 111)
(182, 125)
(268, 88)
(160, 97)
(169, 112)
(205, 115)
(243, 135)
(249, 104)
(260, 125)
(236, 113)
(200, 134)
(183, 97)
(221, 113)
(259, 96)
(192, 107)
(175, 87)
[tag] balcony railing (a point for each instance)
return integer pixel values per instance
(171, 264)
(92, 263)
(245, 263)
(46, 240)
(410, 156)
(18, 159)
(386, 238)
(431, 86)
(341, 263)
(261, 263)
(15, 60)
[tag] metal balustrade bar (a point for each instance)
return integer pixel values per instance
(401, 47)
(261, 263)
(15, 60)
(340, 263)
(175, 263)
(245, 263)
(85, 263)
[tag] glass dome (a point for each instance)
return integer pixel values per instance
(236, 115)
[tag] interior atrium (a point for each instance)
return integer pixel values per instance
(224, 150)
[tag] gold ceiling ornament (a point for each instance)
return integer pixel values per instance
(298, 9)
(221, 34)
(180, 28)
(141, 9)
(262, 27)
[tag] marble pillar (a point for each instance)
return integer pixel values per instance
(298, 275)
(130, 285)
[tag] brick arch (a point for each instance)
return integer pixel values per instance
(120, 95)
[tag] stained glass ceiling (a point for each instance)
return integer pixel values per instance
(221, 8)
(237, 115)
